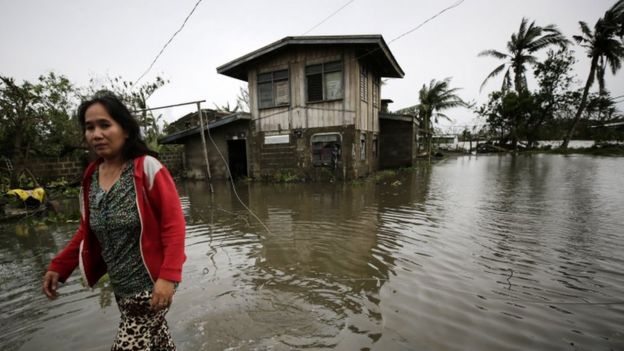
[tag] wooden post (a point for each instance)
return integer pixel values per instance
(203, 138)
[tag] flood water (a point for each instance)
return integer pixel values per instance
(471, 253)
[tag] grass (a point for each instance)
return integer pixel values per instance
(599, 150)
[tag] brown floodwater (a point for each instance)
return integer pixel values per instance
(470, 253)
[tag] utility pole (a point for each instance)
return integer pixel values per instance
(203, 139)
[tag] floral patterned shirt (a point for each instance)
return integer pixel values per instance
(114, 218)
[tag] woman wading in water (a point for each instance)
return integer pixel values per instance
(132, 227)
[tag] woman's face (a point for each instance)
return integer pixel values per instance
(103, 133)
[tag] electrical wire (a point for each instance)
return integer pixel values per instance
(414, 29)
(167, 43)
(227, 168)
(426, 21)
(229, 173)
(328, 17)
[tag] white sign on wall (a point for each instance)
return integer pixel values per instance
(277, 139)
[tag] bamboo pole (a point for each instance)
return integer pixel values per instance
(203, 139)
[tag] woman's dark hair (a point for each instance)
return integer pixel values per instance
(134, 145)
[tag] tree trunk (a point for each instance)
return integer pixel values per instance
(579, 112)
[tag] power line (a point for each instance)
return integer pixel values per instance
(426, 21)
(328, 17)
(167, 43)
(415, 28)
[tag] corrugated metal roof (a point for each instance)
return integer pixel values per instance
(175, 137)
(373, 46)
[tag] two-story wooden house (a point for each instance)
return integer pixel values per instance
(315, 103)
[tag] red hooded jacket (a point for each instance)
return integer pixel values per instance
(162, 228)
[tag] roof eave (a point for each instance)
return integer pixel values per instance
(235, 68)
(181, 135)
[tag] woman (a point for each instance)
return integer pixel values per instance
(132, 227)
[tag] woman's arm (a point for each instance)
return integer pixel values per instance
(63, 264)
(166, 201)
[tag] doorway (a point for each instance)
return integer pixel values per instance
(237, 155)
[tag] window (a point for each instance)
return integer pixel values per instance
(326, 149)
(376, 93)
(363, 83)
(362, 147)
(324, 81)
(273, 89)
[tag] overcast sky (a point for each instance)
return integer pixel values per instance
(83, 39)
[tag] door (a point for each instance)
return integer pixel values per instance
(237, 154)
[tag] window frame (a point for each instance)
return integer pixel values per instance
(363, 83)
(324, 72)
(320, 162)
(376, 92)
(273, 80)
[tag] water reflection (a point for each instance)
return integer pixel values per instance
(482, 253)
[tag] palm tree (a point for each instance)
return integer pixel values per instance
(521, 47)
(434, 99)
(605, 48)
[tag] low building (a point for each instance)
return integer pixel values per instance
(315, 103)
(445, 141)
(229, 131)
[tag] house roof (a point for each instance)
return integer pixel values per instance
(176, 137)
(372, 48)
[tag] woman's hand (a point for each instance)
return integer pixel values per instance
(162, 295)
(50, 284)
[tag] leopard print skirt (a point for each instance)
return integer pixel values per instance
(141, 328)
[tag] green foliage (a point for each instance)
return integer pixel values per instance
(533, 115)
(285, 176)
(242, 100)
(529, 39)
(36, 118)
(605, 47)
(60, 188)
(384, 176)
(438, 96)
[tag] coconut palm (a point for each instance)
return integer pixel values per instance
(521, 47)
(434, 99)
(605, 49)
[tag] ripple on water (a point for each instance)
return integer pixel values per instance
(487, 253)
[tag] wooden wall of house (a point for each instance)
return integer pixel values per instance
(360, 115)
(301, 114)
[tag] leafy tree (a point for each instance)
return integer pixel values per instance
(36, 118)
(242, 100)
(226, 108)
(555, 96)
(506, 113)
(434, 98)
(605, 49)
(521, 47)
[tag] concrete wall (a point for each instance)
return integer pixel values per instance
(397, 144)
(195, 164)
(295, 157)
(174, 161)
(48, 169)
(71, 169)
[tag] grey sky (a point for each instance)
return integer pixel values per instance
(83, 39)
